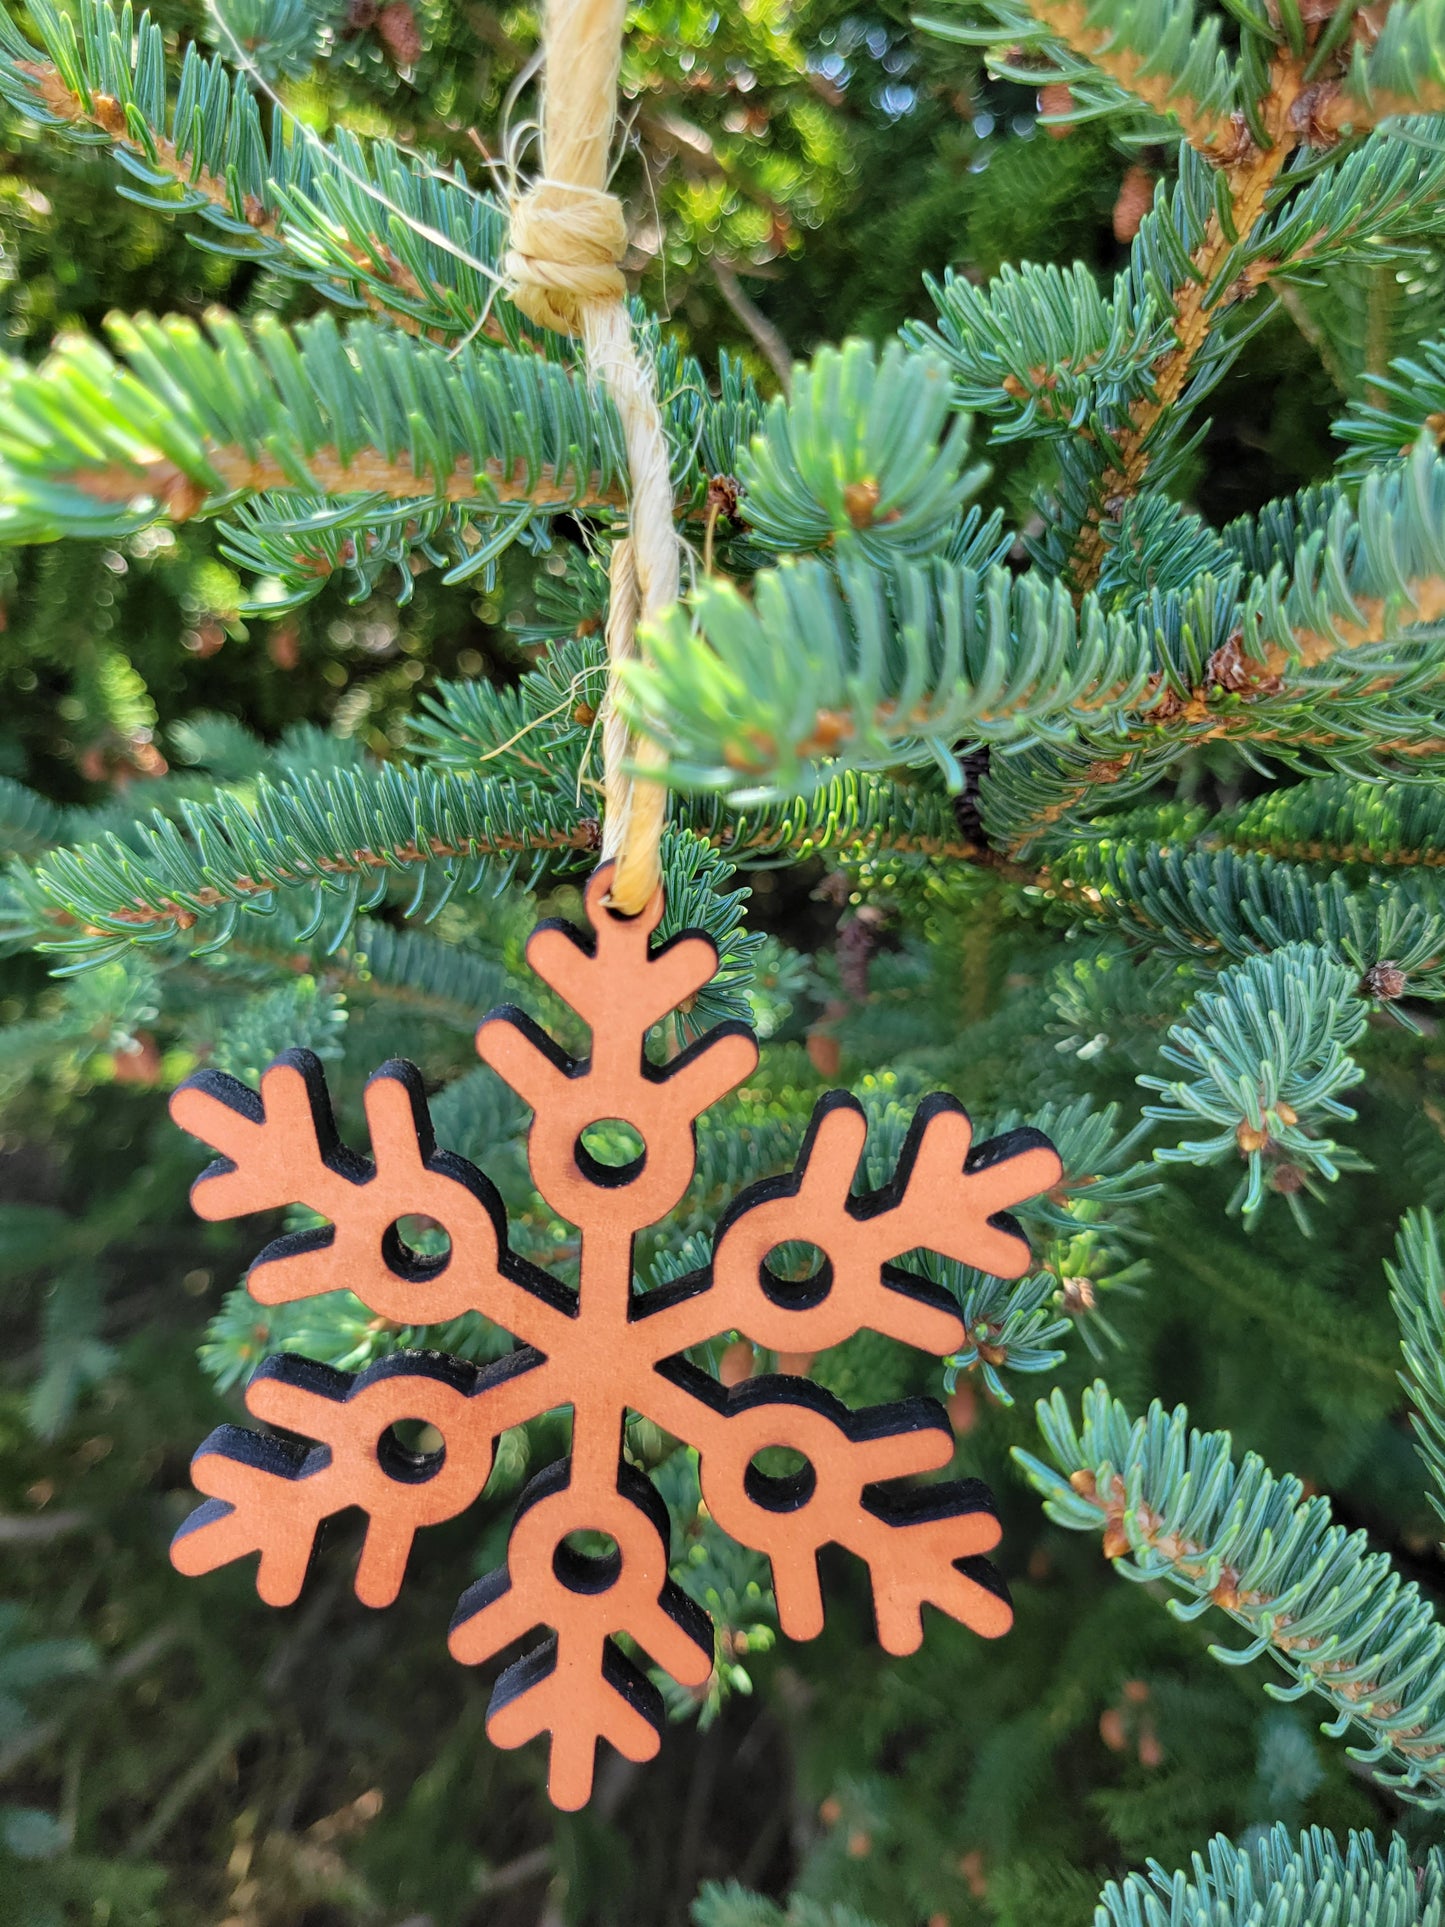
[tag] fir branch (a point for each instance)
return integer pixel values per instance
(297, 543)
(1165, 57)
(1334, 661)
(299, 1014)
(1406, 404)
(1216, 904)
(1172, 1507)
(1399, 75)
(1308, 1881)
(872, 669)
(370, 962)
(281, 36)
(1385, 192)
(350, 834)
(1201, 296)
(1417, 1293)
(1337, 820)
(29, 823)
(858, 453)
(88, 447)
(1266, 1054)
(542, 726)
(101, 80)
(1332, 658)
(367, 225)
(1010, 1326)
(1038, 345)
(428, 977)
(344, 839)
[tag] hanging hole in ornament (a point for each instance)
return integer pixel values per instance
(411, 1450)
(415, 1246)
(779, 1479)
(587, 1562)
(611, 1151)
(796, 1275)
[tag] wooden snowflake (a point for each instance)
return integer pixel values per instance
(604, 1350)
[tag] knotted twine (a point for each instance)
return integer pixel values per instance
(568, 235)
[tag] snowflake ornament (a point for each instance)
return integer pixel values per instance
(604, 1350)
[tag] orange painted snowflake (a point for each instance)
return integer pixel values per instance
(605, 1350)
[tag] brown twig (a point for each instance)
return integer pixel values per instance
(239, 472)
(1249, 172)
(767, 337)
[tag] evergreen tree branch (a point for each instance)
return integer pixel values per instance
(349, 834)
(1265, 1054)
(369, 226)
(1200, 300)
(1406, 404)
(1332, 658)
(89, 447)
(1287, 1881)
(1172, 1507)
(1417, 1293)
(345, 838)
(1158, 56)
(1214, 904)
(872, 668)
(1335, 819)
(1399, 75)
(1138, 53)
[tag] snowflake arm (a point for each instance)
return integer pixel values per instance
(622, 989)
(921, 1546)
(579, 1686)
(945, 1196)
(270, 1495)
(282, 1148)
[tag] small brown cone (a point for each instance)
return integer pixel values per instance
(963, 1407)
(825, 1053)
(1057, 98)
(141, 1064)
(1136, 197)
(398, 32)
(283, 646)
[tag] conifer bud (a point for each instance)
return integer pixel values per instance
(1077, 1296)
(860, 502)
(1384, 981)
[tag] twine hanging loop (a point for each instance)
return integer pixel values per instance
(568, 236)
